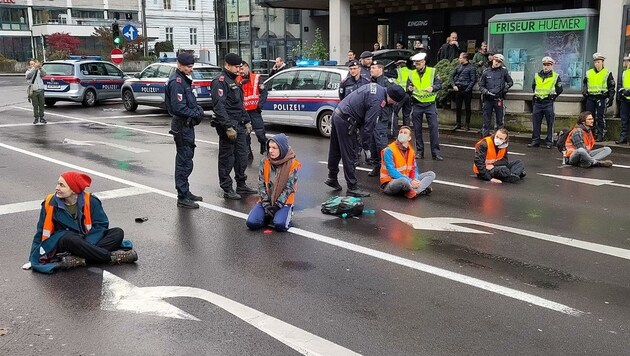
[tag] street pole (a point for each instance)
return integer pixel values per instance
(144, 27)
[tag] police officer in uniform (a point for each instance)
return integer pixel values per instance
(546, 87)
(353, 81)
(624, 101)
(255, 96)
(366, 64)
(378, 140)
(233, 125)
(181, 104)
(360, 109)
(494, 83)
(599, 90)
(402, 75)
(422, 86)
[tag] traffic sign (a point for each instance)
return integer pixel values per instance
(116, 56)
(130, 32)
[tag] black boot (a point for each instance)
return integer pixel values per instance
(244, 189)
(375, 172)
(193, 197)
(187, 204)
(356, 192)
(71, 261)
(333, 183)
(119, 257)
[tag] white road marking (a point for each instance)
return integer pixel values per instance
(473, 148)
(620, 166)
(435, 181)
(165, 115)
(119, 294)
(49, 123)
(114, 125)
(37, 204)
(474, 282)
(91, 143)
(446, 224)
(591, 181)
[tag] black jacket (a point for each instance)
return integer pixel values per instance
(227, 101)
(464, 77)
(495, 81)
(180, 100)
(480, 160)
(448, 51)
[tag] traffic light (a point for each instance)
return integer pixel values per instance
(116, 33)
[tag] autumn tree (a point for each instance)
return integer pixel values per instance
(60, 44)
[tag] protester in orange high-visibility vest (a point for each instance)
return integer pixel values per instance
(277, 184)
(491, 160)
(73, 230)
(399, 172)
(254, 97)
(580, 142)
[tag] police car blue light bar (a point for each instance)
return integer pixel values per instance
(306, 63)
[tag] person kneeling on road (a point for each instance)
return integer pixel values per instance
(73, 229)
(277, 184)
(579, 145)
(399, 172)
(491, 160)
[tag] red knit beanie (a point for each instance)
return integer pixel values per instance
(77, 181)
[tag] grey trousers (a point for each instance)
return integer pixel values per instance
(403, 185)
(582, 157)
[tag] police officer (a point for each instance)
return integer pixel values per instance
(366, 63)
(422, 86)
(361, 108)
(402, 75)
(494, 83)
(352, 81)
(624, 101)
(233, 125)
(255, 96)
(546, 87)
(181, 104)
(599, 90)
(378, 140)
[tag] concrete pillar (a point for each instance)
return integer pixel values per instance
(610, 21)
(339, 21)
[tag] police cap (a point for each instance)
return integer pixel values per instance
(353, 63)
(627, 57)
(598, 56)
(498, 57)
(233, 59)
(366, 54)
(378, 63)
(186, 59)
(396, 92)
(548, 59)
(419, 56)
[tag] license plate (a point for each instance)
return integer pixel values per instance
(53, 86)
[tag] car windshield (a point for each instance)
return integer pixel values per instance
(205, 73)
(58, 68)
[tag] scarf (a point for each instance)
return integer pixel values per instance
(283, 169)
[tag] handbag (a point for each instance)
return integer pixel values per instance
(30, 89)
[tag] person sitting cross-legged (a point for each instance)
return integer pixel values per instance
(399, 172)
(491, 160)
(277, 184)
(579, 145)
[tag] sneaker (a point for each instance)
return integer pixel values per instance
(70, 261)
(42, 120)
(36, 121)
(193, 197)
(584, 164)
(438, 158)
(522, 175)
(604, 163)
(356, 192)
(187, 204)
(375, 172)
(426, 191)
(244, 190)
(512, 179)
(119, 257)
(410, 194)
(533, 144)
(231, 195)
(333, 183)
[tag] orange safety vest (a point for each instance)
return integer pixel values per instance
(491, 154)
(405, 165)
(588, 138)
(251, 92)
(267, 172)
(49, 226)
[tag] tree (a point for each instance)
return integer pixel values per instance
(316, 51)
(60, 44)
(166, 46)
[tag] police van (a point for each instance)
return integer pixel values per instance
(148, 86)
(81, 79)
(304, 96)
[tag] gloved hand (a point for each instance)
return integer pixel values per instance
(248, 127)
(271, 210)
(231, 133)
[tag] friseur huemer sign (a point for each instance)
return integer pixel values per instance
(539, 25)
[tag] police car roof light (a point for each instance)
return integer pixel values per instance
(76, 57)
(306, 63)
(330, 63)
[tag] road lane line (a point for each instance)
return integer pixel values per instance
(49, 123)
(620, 166)
(165, 115)
(471, 281)
(473, 148)
(114, 125)
(37, 204)
(435, 181)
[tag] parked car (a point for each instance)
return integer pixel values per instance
(82, 80)
(304, 96)
(147, 87)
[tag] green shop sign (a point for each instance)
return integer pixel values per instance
(539, 25)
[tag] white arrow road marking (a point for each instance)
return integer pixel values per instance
(474, 282)
(473, 148)
(445, 224)
(435, 181)
(118, 294)
(91, 143)
(37, 204)
(591, 181)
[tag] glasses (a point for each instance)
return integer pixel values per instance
(547, 64)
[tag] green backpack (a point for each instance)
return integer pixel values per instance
(350, 206)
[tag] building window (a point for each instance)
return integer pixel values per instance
(169, 34)
(167, 4)
(192, 4)
(193, 36)
(13, 19)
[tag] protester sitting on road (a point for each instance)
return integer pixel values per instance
(579, 145)
(277, 184)
(73, 229)
(491, 160)
(399, 172)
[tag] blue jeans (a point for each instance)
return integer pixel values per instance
(281, 220)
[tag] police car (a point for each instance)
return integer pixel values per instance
(304, 96)
(85, 80)
(147, 87)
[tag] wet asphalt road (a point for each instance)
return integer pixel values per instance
(374, 285)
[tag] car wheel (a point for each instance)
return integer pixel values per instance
(128, 101)
(324, 123)
(50, 103)
(89, 98)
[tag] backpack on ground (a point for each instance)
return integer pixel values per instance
(338, 206)
(562, 139)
